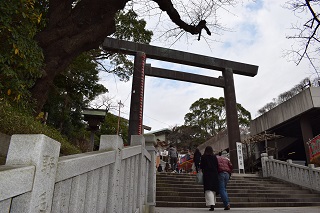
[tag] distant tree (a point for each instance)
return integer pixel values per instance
(72, 91)
(307, 36)
(305, 83)
(185, 137)
(210, 115)
(110, 127)
(282, 98)
(206, 119)
(268, 107)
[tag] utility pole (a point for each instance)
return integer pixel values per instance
(120, 105)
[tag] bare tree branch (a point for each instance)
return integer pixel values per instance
(308, 33)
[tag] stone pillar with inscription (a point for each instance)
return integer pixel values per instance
(42, 152)
(151, 190)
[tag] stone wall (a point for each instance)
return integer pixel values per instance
(113, 179)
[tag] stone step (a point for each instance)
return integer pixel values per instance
(239, 190)
(179, 179)
(239, 199)
(230, 186)
(238, 194)
(234, 204)
(192, 182)
(181, 190)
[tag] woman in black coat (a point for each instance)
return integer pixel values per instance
(209, 167)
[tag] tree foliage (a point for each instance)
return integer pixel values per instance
(130, 28)
(21, 58)
(206, 119)
(72, 91)
(110, 127)
(74, 27)
(209, 114)
(307, 33)
(186, 137)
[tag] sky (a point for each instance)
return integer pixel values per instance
(257, 36)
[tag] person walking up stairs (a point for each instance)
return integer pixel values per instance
(224, 174)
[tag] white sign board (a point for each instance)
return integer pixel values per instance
(240, 156)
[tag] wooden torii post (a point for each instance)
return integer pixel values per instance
(228, 68)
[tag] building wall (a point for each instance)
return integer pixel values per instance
(302, 102)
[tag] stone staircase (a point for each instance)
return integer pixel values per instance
(180, 190)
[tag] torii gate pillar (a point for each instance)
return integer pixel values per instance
(137, 96)
(232, 116)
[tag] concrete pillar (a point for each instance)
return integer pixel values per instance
(307, 134)
(137, 96)
(141, 189)
(289, 170)
(151, 191)
(113, 142)
(232, 116)
(42, 152)
(264, 158)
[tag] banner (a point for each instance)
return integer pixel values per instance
(314, 150)
(240, 156)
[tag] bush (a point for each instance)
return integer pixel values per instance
(16, 121)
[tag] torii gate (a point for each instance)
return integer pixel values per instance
(142, 51)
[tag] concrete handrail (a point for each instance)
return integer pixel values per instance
(305, 176)
(113, 179)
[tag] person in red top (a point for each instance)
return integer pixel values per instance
(224, 173)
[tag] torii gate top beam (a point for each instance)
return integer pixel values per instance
(183, 76)
(179, 57)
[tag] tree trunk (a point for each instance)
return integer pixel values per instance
(77, 27)
(69, 33)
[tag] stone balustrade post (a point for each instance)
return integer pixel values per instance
(312, 178)
(141, 190)
(272, 167)
(42, 152)
(264, 159)
(289, 170)
(113, 142)
(311, 166)
(151, 196)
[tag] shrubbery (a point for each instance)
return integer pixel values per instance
(16, 121)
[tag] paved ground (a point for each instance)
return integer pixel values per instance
(241, 210)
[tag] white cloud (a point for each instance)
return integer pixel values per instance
(258, 38)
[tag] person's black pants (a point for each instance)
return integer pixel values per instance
(197, 165)
(173, 162)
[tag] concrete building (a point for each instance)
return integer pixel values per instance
(297, 120)
(161, 134)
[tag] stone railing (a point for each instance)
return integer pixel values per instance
(308, 177)
(113, 179)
